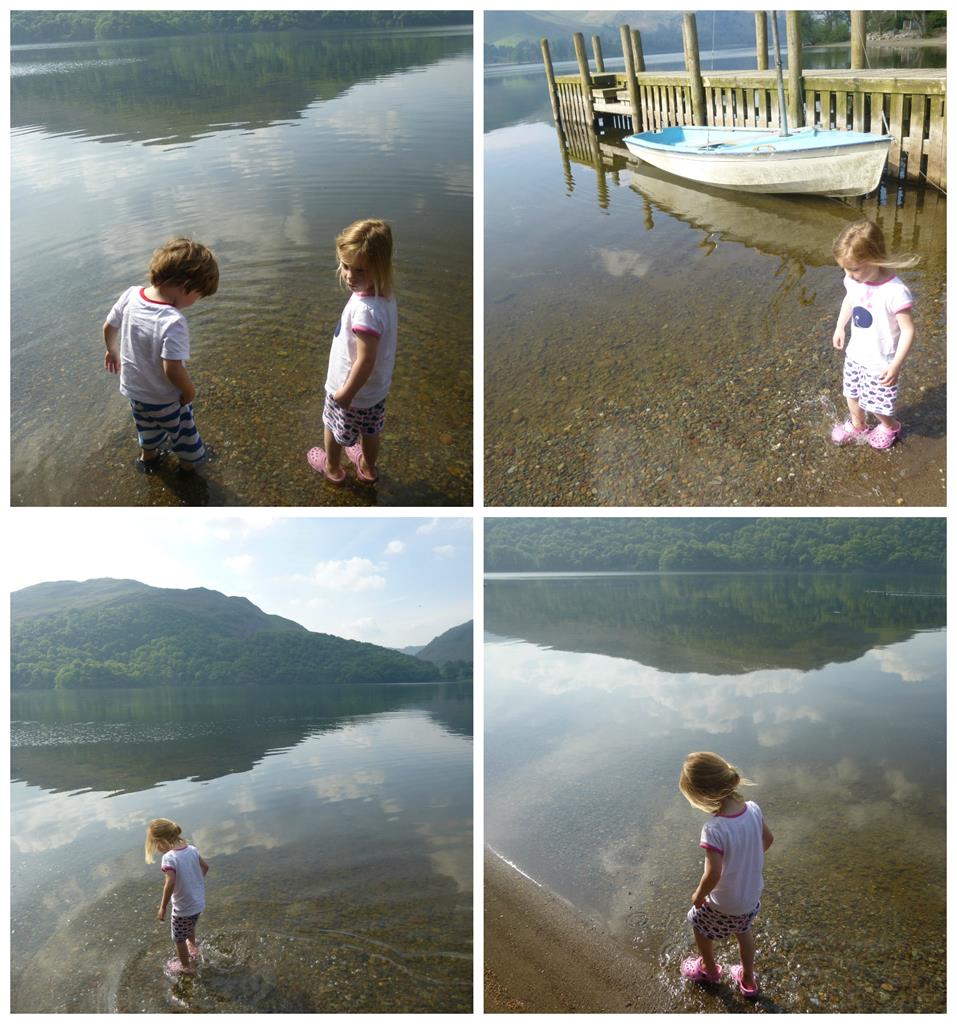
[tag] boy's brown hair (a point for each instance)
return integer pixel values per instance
(183, 262)
(371, 239)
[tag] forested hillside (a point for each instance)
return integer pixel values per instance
(911, 545)
(106, 633)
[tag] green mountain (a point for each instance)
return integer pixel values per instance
(119, 633)
(454, 644)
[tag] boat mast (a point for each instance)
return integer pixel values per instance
(783, 113)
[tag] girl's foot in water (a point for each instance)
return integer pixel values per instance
(193, 949)
(693, 969)
(848, 432)
(748, 987)
(176, 966)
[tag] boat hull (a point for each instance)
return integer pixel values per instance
(753, 160)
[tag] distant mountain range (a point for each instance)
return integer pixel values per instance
(454, 644)
(117, 633)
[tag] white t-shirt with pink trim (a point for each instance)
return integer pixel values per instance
(150, 331)
(875, 331)
(739, 840)
(377, 317)
(189, 890)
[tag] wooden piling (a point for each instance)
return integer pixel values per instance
(795, 84)
(858, 37)
(599, 59)
(550, 77)
(584, 77)
(631, 81)
(761, 39)
(639, 53)
(689, 35)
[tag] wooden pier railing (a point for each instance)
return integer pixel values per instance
(908, 105)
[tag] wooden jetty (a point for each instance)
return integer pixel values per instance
(909, 105)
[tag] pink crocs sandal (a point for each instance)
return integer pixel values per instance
(847, 433)
(317, 459)
(737, 972)
(355, 457)
(882, 437)
(175, 967)
(693, 970)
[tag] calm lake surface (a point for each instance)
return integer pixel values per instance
(264, 146)
(652, 342)
(336, 823)
(831, 698)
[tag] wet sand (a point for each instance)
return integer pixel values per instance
(542, 957)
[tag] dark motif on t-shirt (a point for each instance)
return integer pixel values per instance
(862, 317)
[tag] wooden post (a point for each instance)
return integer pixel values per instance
(858, 37)
(625, 33)
(761, 39)
(588, 101)
(638, 51)
(689, 34)
(599, 59)
(795, 81)
(550, 77)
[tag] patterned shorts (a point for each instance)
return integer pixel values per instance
(168, 426)
(714, 925)
(347, 424)
(866, 387)
(183, 928)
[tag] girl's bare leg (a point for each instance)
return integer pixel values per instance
(858, 416)
(706, 949)
(183, 952)
(888, 421)
(333, 454)
(746, 945)
(370, 452)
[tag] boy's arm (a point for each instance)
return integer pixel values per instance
(713, 864)
(367, 348)
(168, 886)
(178, 376)
(847, 309)
(111, 336)
(766, 837)
(904, 342)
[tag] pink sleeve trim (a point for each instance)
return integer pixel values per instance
(910, 305)
(173, 870)
(366, 330)
(717, 849)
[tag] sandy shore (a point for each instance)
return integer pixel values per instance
(542, 957)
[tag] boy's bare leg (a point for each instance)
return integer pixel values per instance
(746, 945)
(333, 454)
(858, 416)
(370, 452)
(148, 456)
(706, 949)
(183, 951)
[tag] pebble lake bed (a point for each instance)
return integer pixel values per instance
(653, 342)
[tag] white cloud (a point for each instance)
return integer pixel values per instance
(395, 547)
(354, 574)
(444, 551)
(429, 527)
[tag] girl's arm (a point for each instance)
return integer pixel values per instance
(713, 864)
(906, 323)
(766, 838)
(847, 310)
(367, 347)
(168, 887)
(204, 866)
(112, 358)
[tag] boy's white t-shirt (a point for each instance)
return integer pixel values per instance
(738, 837)
(150, 332)
(189, 891)
(378, 317)
(875, 331)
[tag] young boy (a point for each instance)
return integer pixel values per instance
(147, 344)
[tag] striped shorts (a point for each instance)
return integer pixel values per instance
(168, 426)
(714, 925)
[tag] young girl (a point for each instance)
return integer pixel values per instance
(185, 871)
(362, 356)
(735, 838)
(878, 305)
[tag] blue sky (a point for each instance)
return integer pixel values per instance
(391, 581)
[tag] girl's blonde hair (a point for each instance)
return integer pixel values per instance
(707, 780)
(161, 830)
(371, 239)
(863, 242)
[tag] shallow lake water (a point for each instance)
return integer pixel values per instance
(828, 692)
(652, 342)
(336, 823)
(263, 146)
